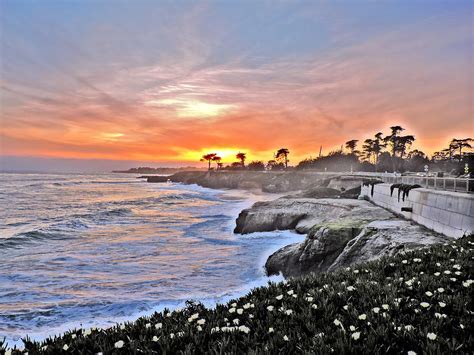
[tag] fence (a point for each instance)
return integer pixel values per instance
(431, 182)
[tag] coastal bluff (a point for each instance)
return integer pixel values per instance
(340, 232)
(266, 181)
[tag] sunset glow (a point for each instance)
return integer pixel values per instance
(226, 77)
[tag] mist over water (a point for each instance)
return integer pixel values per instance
(97, 249)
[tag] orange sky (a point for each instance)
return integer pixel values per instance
(105, 89)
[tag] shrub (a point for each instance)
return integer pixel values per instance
(420, 301)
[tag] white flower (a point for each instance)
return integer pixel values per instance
(234, 304)
(442, 304)
(424, 304)
(172, 335)
(453, 279)
(271, 330)
(290, 292)
(270, 308)
(458, 273)
(122, 326)
(431, 336)
(352, 328)
(279, 297)
(409, 327)
(244, 329)
(457, 267)
(438, 315)
(355, 335)
(417, 260)
(461, 325)
(356, 271)
(159, 325)
(404, 261)
(201, 321)
(437, 274)
(447, 272)
(155, 338)
(438, 264)
(289, 312)
(236, 321)
(199, 328)
(440, 290)
(148, 325)
(351, 288)
(119, 344)
(294, 295)
(65, 347)
(467, 283)
(428, 293)
(411, 353)
(309, 299)
(346, 307)
(314, 306)
(240, 311)
(214, 330)
(285, 338)
(363, 317)
(337, 322)
(232, 310)
(385, 306)
(195, 316)
(87, 332)
(246, 306)
(74, 336)
(376, 309)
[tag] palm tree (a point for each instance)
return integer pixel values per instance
(208, 157)
(217, 159)
(351, 145)
(282, 155)
(241, 156)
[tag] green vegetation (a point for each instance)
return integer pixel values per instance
(417, 302)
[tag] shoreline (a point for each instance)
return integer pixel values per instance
(231, 195)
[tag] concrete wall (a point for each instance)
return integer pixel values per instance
(445, 212)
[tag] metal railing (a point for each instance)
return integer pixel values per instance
(436, 183)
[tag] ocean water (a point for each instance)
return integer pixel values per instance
(94, 250)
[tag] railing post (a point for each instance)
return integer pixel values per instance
(454, 184)
(444, 183)
(435, 182)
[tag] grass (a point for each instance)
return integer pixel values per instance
(421, 302)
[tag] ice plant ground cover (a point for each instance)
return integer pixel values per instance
(417, 302)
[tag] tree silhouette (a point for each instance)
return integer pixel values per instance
(460, 144)
(393, 138)
(241, 156)
(282, 156)
(208, 157)
(351, 145)
(217, 159)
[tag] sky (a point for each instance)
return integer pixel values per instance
(163, 82)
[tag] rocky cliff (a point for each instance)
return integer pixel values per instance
(340, 232)
(274, 182)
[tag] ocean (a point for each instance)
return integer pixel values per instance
(98, 249)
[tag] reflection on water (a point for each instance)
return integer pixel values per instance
(96, 249)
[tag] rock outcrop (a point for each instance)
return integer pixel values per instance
(266, 181)
(340, 232)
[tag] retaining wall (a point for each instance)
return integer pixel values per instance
(445, 212)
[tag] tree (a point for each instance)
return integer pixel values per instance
(208, 157)
(368, 149)
(256, 165)
(217, 159)
(460, 144)
(393, 138)
(404, 143)
(351, 145)
(274, 165)
(242, 156)
(282, 156)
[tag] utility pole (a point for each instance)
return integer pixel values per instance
(320, 151)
